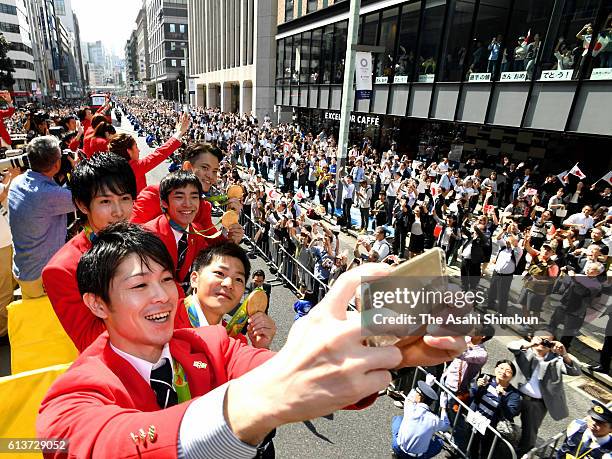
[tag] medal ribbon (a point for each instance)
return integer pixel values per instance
(180, 383)
(192, 313)
(89, 233)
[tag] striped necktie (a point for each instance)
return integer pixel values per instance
(182, 252)
(161, 383)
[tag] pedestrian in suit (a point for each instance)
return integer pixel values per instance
(144, 389)
(540, 365)
(472, 255)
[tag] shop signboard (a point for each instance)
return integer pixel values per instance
(400, 79)
(556, 75)
(382, 80)
(363, 75)
(513, 76)
(601, 74)
(366, 120)
(476, 77)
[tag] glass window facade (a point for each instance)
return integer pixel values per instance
(288, 10)
(409, 27)
(427, 41)
(385, 62)
(430, 34)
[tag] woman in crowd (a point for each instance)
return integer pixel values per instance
(126, 146)
(102, 134)
(497, 400)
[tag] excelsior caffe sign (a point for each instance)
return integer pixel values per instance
(368, 120)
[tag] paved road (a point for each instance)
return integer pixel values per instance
(359, 433)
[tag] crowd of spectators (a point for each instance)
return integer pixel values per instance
(497, 217)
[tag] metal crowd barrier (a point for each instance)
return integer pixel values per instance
(290, 270)
(500, 447)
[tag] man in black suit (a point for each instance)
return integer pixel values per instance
(472, 253)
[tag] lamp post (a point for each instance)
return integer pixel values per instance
(348, 96)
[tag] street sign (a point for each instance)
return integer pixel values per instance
(363, 75)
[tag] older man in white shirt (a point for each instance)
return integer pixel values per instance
(582, 220)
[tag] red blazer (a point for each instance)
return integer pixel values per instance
(3, 132)
(147, 207)
(143, 165)
(96, 145)
(160, 226)
(101, 399)
(59, 279)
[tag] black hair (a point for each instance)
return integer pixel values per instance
(82, 113)
(100, 173)
(259, 272)
(112, 245)
(65, 120)
(225, 249)
(176, 180)
(193, 152)
(512, 367)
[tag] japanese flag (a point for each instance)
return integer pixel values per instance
(577, 172)
(273, 194)
(527, 38)
(299, 195)
(563, 177)
(608, 178)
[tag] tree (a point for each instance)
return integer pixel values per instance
(6, 65)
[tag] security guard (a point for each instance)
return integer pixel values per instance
(589, 439)
(413, 433)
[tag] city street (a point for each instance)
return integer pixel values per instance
(366, 431)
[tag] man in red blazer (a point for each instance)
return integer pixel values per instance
(180, 194)
(203, 160)
(145, 389)
(103, 188)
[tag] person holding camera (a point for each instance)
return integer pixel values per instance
(37, 215)
(540, 365)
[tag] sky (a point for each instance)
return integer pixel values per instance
(110, 21)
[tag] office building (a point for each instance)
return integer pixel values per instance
(519, 77)
(232, 54)
(167, 34)
(15, 27)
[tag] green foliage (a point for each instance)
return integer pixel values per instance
(6, 65)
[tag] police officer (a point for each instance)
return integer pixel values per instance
(413, 433)
(589, 439)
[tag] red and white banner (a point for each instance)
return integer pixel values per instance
(577, 172)
(563, 177)
(607, 178)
